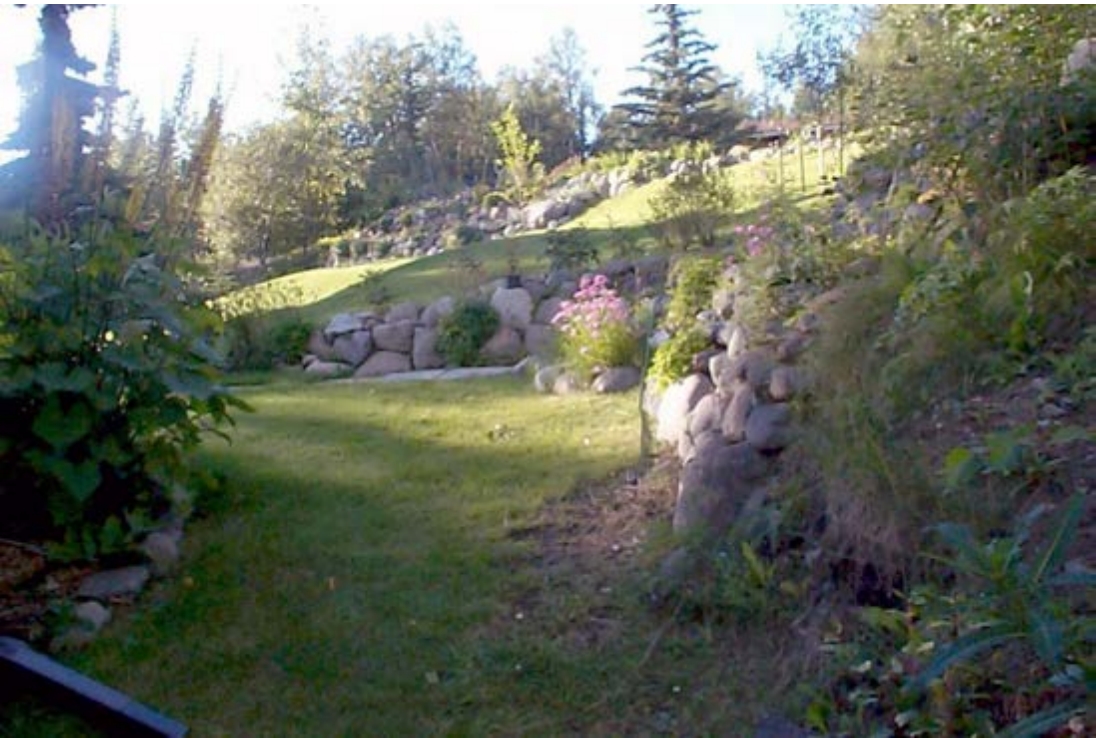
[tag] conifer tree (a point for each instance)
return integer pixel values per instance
(679, 101)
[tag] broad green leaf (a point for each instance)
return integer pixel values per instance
(1042, 722)
(1046, 637)
(961, 466)
(61, 428)
(963, 649)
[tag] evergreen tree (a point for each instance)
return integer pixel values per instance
(51, 125)
(678, 103)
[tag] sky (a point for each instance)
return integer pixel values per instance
(250, 45)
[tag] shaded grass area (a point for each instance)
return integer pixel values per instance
(362, 540)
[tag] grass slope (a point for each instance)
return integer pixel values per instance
(320, 293)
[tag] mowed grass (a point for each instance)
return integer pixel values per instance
(349, 581)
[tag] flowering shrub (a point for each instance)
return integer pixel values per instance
(755, 236)
(596, 328)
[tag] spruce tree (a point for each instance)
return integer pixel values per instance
(679, 101)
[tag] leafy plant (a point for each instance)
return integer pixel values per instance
(571, 250)
(596, 329)
(692, 208)
(106, 381)
(462, 333)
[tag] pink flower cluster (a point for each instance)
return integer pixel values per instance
(593, 308)
(755, 235)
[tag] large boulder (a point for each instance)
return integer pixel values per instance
(424, 353)
(707, 415)
(354, 348)
(384, 362)
(540, 340)
(547, 310)
(737, 412)
(402, 311)
(437, 310)
(320, 347)
(715, 485)
(327, 369)
(786, 383)
(616, 379)
(514, 306)
(505, 347)
(754, 366)
(398, 337)
(677, 402)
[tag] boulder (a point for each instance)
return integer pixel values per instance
(403, 311)
(547, 310)
(537, 289)
(737, 412)
(786, 383)
(91, 615)
(353, 348)
(791, 347)
(505, 347)
(545, 379)
(754, 366)
(125, 582)
(540, 340)
(437, 310)
(398, 337)
(327, 368)
(1081, 59)
(617, 379)
(567, 384)
(514, 306)
(707, 415)
(719, 369)
(715, 485)
(736, 341)
(424, 352)
(162, 552)
(677, 402)
(320, 347)
(384, 362)
(344, 323)
(769, 427)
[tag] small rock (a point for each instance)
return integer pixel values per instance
(545, 378)
(785, 384)
(754, 367)
(353, 348)
(677, 402)
(92, 615)
(707, 415)
(162, 552)
(122, 582)
(616, 379)
(383, 362)
(789, 349)
(738, 410)
(327, 368)
(401, 312)
(567, 384)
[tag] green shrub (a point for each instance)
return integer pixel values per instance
(692, 208)
(462, 333)
(257, 342)
(571, 250)
(106, 381)
(673, 359)
(693, 281)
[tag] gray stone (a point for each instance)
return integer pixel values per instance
(547, 310)
(424, 353)
(545, 378)
(343, 323)
(719, 368)
(402, 311)
(327, 368)
(437, 310)
(677, 402)
(383, 362)
(540, 340)
(707, 415)
(778, 727)
(791, 347)
(769, 427)
(505, 347)
(736, 342)
(567, 384)
(319, 347)
(754, 367)
(353, 348)
(162, 552)
(398, 337)
(124, 582)
(536, 288)
(1081, 59)
(514, 306)
(738, 411)
(616, 379)
(786, 383)
(715, 485)
(91, 615)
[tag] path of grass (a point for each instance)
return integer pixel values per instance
(345, 589)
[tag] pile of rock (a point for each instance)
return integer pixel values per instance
(404, 338)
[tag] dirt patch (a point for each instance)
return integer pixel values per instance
(31, 590)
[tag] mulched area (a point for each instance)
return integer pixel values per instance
(32, 591)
